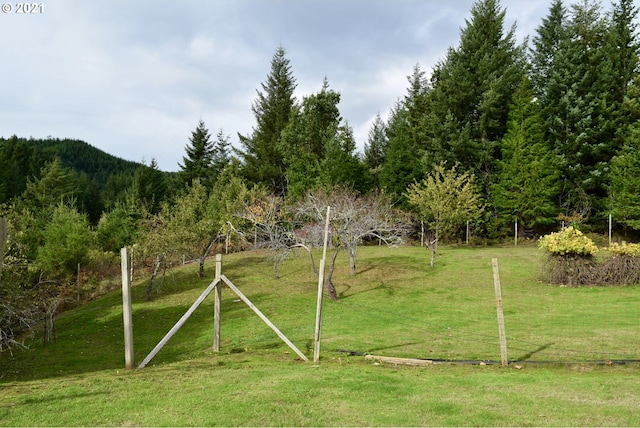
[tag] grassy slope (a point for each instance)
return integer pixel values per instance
(395, 306)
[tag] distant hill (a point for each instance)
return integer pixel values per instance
(22, 158)
(85, 159)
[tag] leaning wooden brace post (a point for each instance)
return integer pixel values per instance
(316, 346)
(217, 293)
(126, 309)
(262, 317)
(501, 331)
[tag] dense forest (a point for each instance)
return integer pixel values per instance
(541, 133)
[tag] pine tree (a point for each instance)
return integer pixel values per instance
(56, 184)
(221, 154)
(622, 58)
(406, 132)
(549, 40)
(527, 184)
(624, 190)
(198, 162)
(472, 89)
(588, 58)
(376, 145)
(262, 158)
(318, 147)
(149, 187)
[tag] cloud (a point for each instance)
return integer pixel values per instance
(133, 78)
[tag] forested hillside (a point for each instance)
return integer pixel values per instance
(543, 134)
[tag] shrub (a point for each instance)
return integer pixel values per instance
(624, 249)
(623, 268)
(571, 261)
(569, 242)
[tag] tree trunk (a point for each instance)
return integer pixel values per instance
(203, 257)
(328, 285)
(352, 260)
(310, 251)
(432, 246)
(153, 277)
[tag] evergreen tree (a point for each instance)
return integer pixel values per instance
(583, 63)
(198, 162)
(472, 89)
(622, 58)
(18, 161)
(624, 190)
(545, 59)
(341, 166)
(527, 184)
(375, 148)
(318, 147)
(406, 132)
(56, 184)
(262, 158)
(221, 156)
(67, 239)
(149, 188)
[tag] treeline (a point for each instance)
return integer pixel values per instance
(548, 129)
(499, 132)
(96, 180)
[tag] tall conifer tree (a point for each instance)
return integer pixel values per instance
(261, 154)
(527, 185)
(198, 162)
(472, 89)
(406, 132)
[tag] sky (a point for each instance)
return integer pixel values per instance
(134, 77)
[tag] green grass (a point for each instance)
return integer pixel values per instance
(396, 306)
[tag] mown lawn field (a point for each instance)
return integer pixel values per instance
(573, 351)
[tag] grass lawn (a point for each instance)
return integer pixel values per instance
(395, 306)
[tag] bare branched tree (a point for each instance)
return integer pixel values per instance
(272, 227)
(353, 219)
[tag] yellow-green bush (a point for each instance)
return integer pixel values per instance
(568, 242)
(571, 261)
(624, 249)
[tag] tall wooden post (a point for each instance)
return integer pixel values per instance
(78, 284)
(503, 337)
(316, 346)
(467, 235)
(216, 304)
(126, 309)
(3, 239)
(516, 233)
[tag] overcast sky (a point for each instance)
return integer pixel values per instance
(134, 77)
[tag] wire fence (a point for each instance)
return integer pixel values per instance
(436, 319)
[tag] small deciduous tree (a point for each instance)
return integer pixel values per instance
(273, 227)
(444, 200)
(353, 218)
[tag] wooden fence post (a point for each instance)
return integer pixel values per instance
(467, 234)
(216, 304)
(316, 346)
(3, 239)
(78, 303)
(503, 338)
(126, 309)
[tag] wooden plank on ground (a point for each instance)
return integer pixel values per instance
(397, 360)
